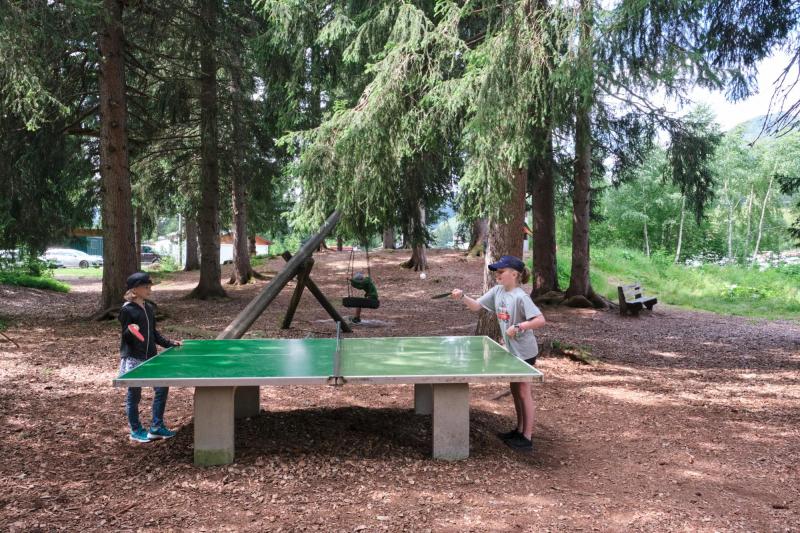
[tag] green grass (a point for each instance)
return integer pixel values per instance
(733, 290)
(37, 282)
(72, 273)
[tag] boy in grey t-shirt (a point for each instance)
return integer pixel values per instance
(517, 315)
(512, 308)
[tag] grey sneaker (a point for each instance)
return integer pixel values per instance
(140, 435)
(160, 433)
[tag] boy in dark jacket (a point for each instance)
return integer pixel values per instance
(138, 343)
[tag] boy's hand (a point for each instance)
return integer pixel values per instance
(457, 294)
(177, 343)
(512, 331)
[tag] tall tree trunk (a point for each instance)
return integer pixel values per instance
(581, 199)
(210, 284)
(138, 236)
(118, 239)
(339, 243)
(504, 238)
(388, 239)
(478, 236)
(180, 239)
(242, 271)
(419, 257)
(192, 255)
(680, 230)
(761, 220)
(750, 200)
(545, 271)
(730, 230)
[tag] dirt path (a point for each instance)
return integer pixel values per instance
(689, 423)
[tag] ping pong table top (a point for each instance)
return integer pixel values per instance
(313, 361)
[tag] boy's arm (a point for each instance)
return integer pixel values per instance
(533, 323)
(125, 319)
(163, 341)
(471, 303)
(160, 339)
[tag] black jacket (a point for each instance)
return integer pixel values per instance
(130, 346)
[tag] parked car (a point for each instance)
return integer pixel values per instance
(72, 258)
(13, 258)
(149, 255)
(9, 258)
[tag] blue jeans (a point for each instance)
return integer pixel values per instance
(132, 406)
(135, 395)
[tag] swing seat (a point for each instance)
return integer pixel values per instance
(366, 303)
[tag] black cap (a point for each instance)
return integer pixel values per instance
(139, 278)
(508, 261)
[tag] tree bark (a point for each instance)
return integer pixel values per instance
(242, 270)
(579, 284)
(581, 204)
(504, 238)
(479, 234)
(210, 285)
(119, 257)
(750, 200)
(339, 243)
(761, 220)
(680, 230)
(388, 239)
(545, 270)
(419, 257)
(192, 255)
(646, 240)
(138, 233)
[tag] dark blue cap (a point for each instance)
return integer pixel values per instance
(508, 261)
(139, 278)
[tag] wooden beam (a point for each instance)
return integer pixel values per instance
(250, 314)
(303, 274)
(323, 301)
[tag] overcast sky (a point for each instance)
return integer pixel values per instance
(730, 114)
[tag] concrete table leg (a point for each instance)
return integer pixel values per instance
(450, 421)
(213, 426)
(423, 398)
(247, 402)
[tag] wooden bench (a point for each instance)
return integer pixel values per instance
(631, 299)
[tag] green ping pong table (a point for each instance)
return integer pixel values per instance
(441, 369)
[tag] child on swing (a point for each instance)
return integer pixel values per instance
(363, 283)
(517, 316)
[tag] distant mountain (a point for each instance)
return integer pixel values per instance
(751, 129)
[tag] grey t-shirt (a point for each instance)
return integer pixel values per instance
(511, 308)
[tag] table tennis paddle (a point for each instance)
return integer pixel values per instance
(136, 332)
(440, 296)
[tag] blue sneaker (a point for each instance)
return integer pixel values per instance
(140, 435)
(160, 433)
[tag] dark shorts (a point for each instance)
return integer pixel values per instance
(531, 361)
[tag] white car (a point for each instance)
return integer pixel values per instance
(72, 258)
